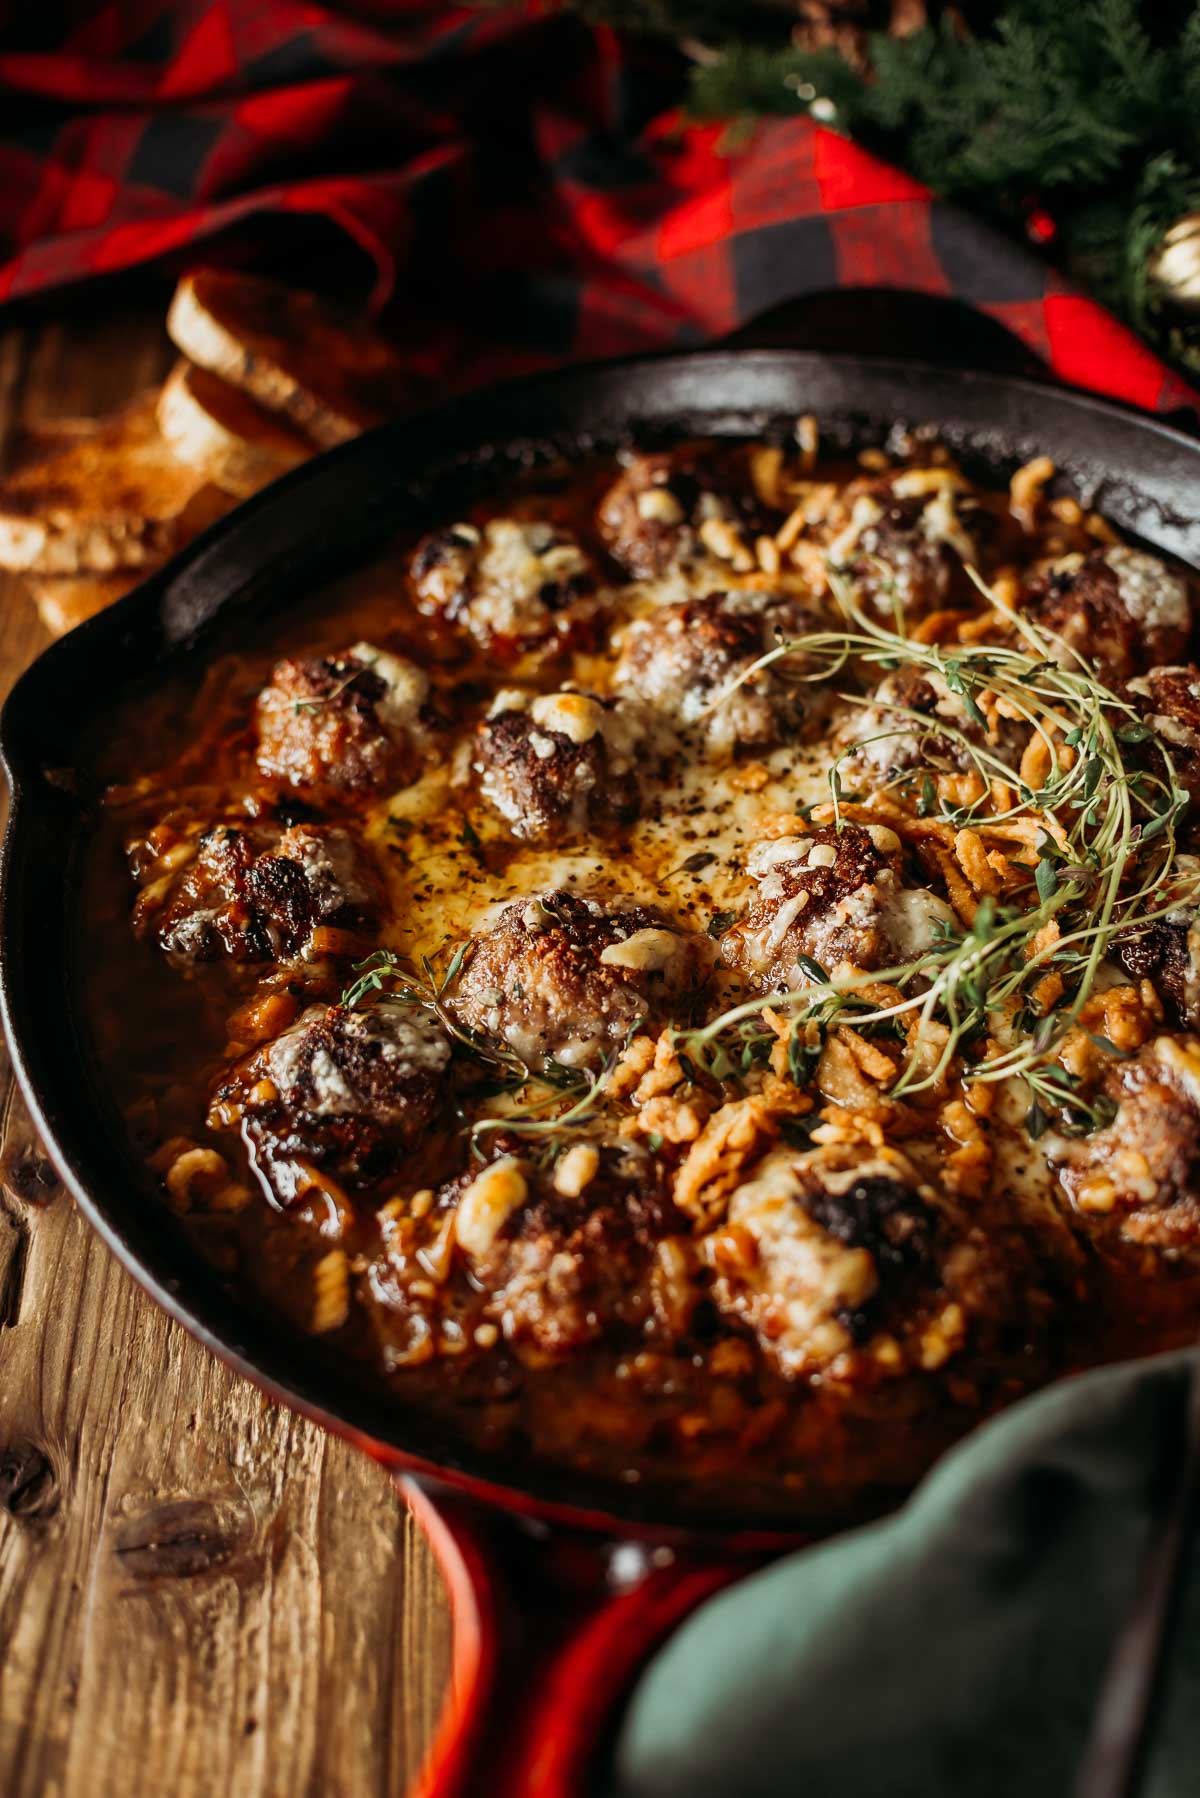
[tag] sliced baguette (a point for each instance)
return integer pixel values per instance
(65, 600)
(115, 497)
(30, 443)
(223, 432)
(328, 374)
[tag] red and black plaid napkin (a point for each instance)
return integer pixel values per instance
(518, 190)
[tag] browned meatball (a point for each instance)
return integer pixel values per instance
(555, 1259)
(560, 978)
(1121, 610)
(847, 1266)
(349, 1091)
(258, 898)
(1167, 951)
(510, 584)
(566, 1257)
(891, 743)
(832, 897)
(663, 508)
(906, 552)
(557, 764)
(1139, 1176)
(335, 726)
(684, 658)
(1169, 701)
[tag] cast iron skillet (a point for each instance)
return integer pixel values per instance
(620, 1566)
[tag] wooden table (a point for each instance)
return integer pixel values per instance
(200, 1594)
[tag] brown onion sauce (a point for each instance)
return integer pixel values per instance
(757, 1444)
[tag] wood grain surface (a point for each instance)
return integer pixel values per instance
(200, 1593)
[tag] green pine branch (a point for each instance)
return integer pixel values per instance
(1080, 105)
(1058, 96)
(1091, 107)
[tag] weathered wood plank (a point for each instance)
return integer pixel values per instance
(200, 1593)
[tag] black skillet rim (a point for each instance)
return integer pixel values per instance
(299, 529)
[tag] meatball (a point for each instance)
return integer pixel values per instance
(256, 901)
(348, 1091)
(1139, 1176)
(1167, 951)
(510, 585)
(554, 1259)
(677, 507)
(556, 763)
(891, 743)
(566, 979)
(1120, 610)
(832, 896)
(336, 726)
(848, 1266)
(683, 658)
(905, 551)
(1169, 701)
(562, 1264)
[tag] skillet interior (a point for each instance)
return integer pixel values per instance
(322, 521)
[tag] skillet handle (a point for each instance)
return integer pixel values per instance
(550, 1626)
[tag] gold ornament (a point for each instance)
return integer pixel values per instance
(1175, 265)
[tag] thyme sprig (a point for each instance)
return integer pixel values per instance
(576, 1092)
(526, 1119)
(334, 694)
(421, 983)
(1106, 844)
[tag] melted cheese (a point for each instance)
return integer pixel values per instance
(518, 560)
(1180, 1059)
(941, 524)
(1149, 591)
(407, 686)
(441, 891)
(914, 483)
(659, 506)
(910, 918)
(866, 512)
(576, 716)
(410, 1042)
(646, 951)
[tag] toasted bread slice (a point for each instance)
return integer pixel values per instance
(29, 443)
(328, 374)
(65, 600)
(116, 497)
(222, 431)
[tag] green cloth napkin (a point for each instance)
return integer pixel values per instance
(957, 1647)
